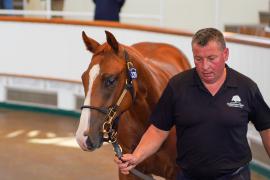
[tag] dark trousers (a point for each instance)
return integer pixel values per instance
(242, 173)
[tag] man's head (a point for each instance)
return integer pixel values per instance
(203, 36)
(210, 54)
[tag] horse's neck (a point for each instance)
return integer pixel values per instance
(136, 120)
(146, 78)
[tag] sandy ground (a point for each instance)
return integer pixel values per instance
(42, 146)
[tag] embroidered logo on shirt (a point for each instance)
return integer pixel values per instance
(235, 102)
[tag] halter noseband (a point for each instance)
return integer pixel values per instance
(111, 120)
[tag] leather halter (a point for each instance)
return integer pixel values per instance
(111, 118)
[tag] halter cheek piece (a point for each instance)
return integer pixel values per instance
(111, 119)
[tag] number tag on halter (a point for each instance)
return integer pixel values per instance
(133, 73)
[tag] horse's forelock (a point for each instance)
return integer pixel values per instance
(106, 49)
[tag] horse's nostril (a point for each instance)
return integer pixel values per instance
(89, 143)
(86, 132)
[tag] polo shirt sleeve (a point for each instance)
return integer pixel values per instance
(260, 115)
(162, 116)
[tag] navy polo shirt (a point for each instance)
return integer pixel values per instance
(108, 9)
(211, 130)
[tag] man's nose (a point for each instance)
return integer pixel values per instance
(205, 64)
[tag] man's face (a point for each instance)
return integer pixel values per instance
(210, 61)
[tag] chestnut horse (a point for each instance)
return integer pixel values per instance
(104, 81)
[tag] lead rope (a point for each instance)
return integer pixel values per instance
(118, 152)
(117, 148)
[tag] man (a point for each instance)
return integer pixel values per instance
(108, 10)
(6, 4)
(210, 105)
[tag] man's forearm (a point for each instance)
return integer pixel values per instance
(150, 143)
(265, 134)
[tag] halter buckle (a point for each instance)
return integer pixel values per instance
(107, 127)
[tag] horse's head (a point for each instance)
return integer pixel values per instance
(108, 87)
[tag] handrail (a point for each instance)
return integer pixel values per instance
(38, 77)
(49, 14)
(96, 23)
(230, 37)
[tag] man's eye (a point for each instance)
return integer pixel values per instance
(198, 59)
(211, 58)
(110, 81)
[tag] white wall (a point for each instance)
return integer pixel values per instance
(57, 50)
(193, 14)
(42, 50)
(189, 14)
(242, 11)
(253, 62)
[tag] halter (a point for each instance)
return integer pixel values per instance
(111, 120)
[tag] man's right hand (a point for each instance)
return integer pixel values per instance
(126, 163)
(149, 144)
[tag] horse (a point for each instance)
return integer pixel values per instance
(128, 81)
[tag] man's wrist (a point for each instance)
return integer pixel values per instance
(138, 157)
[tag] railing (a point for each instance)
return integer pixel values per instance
(49, 13)
(48, 92)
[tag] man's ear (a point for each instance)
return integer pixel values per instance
(226, 53)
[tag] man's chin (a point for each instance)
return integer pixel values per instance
(208, 80)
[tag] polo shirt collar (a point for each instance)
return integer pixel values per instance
(231, 80)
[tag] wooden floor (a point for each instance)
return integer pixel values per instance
(42, 146)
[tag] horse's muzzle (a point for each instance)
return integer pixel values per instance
(92, 146)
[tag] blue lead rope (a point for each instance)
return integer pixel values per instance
(118, 152)
(117, 149)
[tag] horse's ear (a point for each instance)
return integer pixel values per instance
(112, 41)
(90, 43)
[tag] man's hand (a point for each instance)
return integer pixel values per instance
(149, 144)
(127, 162)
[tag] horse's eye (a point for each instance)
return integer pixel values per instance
(110, 81)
